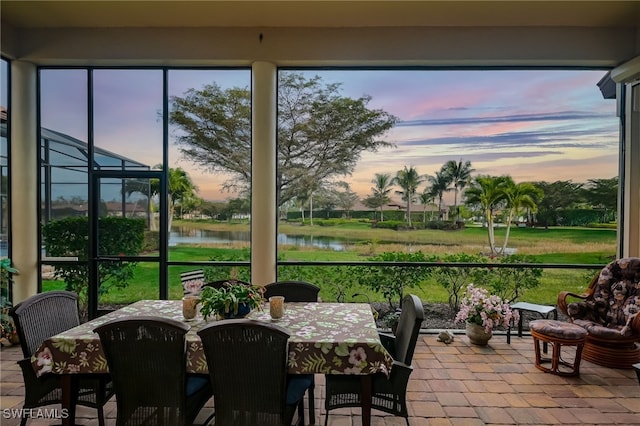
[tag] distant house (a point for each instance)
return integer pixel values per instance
(395, 205)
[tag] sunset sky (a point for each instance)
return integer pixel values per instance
(533, 125)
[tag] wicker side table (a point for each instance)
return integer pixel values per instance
(558, 334)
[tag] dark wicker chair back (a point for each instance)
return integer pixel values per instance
(38, 318)
(247, 390)
(42, 316)
(296, 291)
(389, 394)
(408, 329)
(147, 360)
(293, 291)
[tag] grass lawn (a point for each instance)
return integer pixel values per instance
(554, 245)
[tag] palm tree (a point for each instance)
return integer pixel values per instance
(408, 179)
(489, 193)
(425, 198)
(459, 175)
(181, 187)
(519, 196)
(381, 189)
(439, 184)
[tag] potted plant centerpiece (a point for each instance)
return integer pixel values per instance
(232, 300)
(483, 312)
(7, 327)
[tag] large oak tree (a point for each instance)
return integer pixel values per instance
(321, 134)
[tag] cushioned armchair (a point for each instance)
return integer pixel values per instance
(608, 310)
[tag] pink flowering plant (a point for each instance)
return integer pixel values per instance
(481, 308)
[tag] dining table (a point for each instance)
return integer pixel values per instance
(326, 338)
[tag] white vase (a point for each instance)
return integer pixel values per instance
(477, 334)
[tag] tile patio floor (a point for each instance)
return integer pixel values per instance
(456, 384)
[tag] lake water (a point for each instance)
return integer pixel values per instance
(187, 235)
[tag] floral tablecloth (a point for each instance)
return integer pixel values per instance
(331, 338)
(326, 338)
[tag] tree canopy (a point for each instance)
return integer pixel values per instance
(380, 192)
(408, 179)
(321, 134)
(602, 193)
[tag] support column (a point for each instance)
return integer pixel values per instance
(24, 179)
(631, 190)
(263, 173)
(628, 74)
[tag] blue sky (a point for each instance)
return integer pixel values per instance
(533, 125)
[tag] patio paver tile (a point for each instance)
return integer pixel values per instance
(605, 405)
(592, 391)
(447, 386)
(592, 416)
(630, 404)
(427, 409)
(532, 416)
(494, 415)
(486, 400)
(539, 400)
(456, 399)
(461, 412)
(563, 415)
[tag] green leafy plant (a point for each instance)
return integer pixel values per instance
(7, 327)
(226, 301)
(455, 279)
(217, 273)
(509, 283)
(391, 320)
(119, 236)
(392, 280)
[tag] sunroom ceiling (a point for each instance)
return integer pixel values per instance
(383, 13)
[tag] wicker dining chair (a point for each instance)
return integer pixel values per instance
(38, 318)
(147, 359)
(293, 291)
(249, 375)
(389, 394)
(296, 291)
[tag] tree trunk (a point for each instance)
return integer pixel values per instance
(170, 218)
(153, 226)
(506, 235)
(455, 204)
(492, 239)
